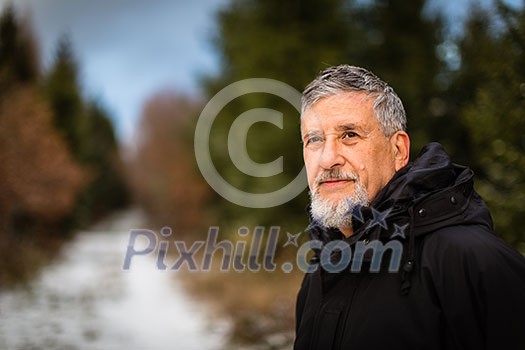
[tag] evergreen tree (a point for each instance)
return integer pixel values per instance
(399, 45)
(100, 154)
(62, 89)
(87, 129)
(491, 83)
(288, 41)
(291, 42)
(18, 51)
(59, 160)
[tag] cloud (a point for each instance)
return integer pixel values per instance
(129, 48)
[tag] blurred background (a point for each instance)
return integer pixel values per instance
(98, 106)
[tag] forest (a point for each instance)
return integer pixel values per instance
(61, 164)
(463, 89)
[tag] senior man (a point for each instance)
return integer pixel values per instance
(458, 285)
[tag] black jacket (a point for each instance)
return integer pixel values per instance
(458, 285)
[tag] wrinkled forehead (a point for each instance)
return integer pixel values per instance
(343, 108)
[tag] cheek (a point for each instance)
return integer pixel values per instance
(310, 168)
(367, 168)
(378, 171)
(364, 177)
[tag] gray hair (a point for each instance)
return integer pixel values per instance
(388, 107)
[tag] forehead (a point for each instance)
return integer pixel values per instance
(330, 112)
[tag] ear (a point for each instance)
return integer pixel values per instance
(400, 143)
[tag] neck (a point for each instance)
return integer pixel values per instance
(347, 231)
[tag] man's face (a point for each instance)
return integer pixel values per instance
(341, 134)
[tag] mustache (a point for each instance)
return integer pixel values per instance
(335, 174)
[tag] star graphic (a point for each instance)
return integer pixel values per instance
(379, 217)
(292, 239)
(399, 231)
(357, 214)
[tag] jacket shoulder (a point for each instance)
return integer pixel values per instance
(468, 243)
(479, 282)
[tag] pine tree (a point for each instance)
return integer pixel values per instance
(18, 51)
(400, 45)
(100, 155)
(62, 89)
(291, 42)
(491, 83)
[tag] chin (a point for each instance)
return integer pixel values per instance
(334, 197)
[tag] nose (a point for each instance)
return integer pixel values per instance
(331, 154)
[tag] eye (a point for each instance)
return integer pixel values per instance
(348, 135)
(313, 139)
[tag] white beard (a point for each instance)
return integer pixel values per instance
(337, 214)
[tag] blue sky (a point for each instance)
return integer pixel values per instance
(129, 49)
